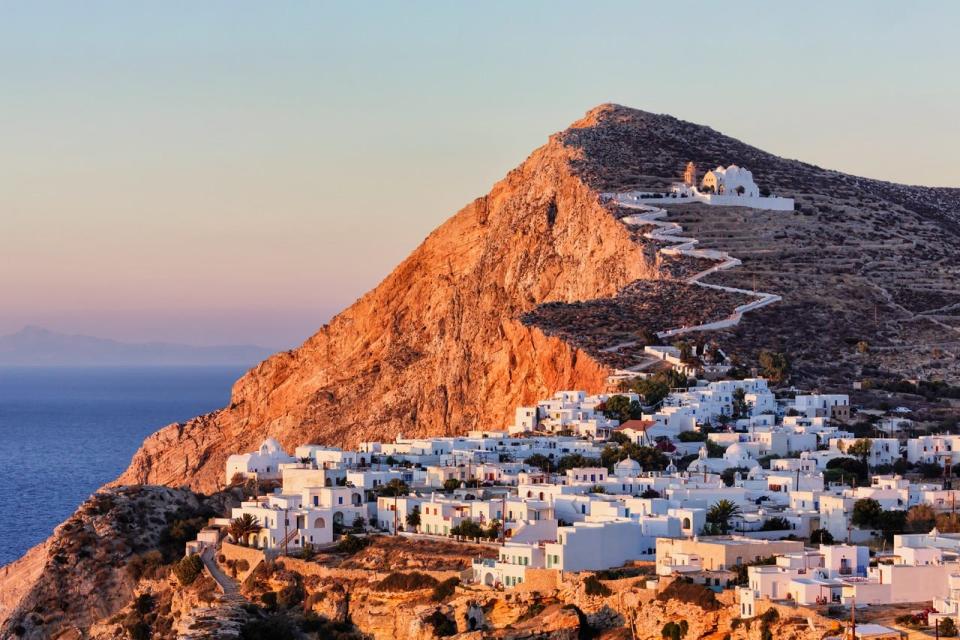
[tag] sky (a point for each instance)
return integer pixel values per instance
(237, 172)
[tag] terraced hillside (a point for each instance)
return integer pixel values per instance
(868, 270)
(850, 272)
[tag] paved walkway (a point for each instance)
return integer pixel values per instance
(225, 617)
(685, 246)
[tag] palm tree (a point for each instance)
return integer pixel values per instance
(243, 526)
(720, 514)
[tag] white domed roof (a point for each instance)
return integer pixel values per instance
(270, 445)
(629, 463)
(736, 451)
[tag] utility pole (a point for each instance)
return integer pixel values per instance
(503, 519)
(853, 619)
(395, 532)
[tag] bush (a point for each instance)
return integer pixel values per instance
(821, 536)
(442, 625)
(188, 569)
(398, 581)
(593, 587)
(145, 565)
(444, 589)
(269, 599)
(776, 523)
(674, 631)
(144, 603)
(351, 544)
(948, 628)
(139, 630)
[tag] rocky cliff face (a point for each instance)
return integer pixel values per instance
(437, 347)
(92, 565)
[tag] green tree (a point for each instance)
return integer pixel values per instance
(621, 408)
(866, 513)
(468, 529)
(413, 518)
(721, 513)
(539, 461)
(574, 461)
(861, 449)
(359, 524)
(821, 536)
(188, 569)
(741, 408)
(774, 366)
(241, 528)
(395, 487)
(729, 475)
(685, 349)
(451, 484)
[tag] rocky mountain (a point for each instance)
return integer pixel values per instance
(36, 346)
(514, 296)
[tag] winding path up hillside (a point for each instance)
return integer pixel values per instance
(685, 246)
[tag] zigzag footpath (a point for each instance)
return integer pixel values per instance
(684, 246)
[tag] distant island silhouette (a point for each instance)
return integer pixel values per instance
(38, 346)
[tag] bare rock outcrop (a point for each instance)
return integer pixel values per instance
(437, 347)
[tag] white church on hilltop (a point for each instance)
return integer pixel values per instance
(731, 186)
(733, 180)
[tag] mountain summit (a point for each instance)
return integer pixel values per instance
(528, 290)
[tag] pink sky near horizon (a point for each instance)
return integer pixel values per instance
(241, 175)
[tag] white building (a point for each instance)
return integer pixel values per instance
(263, 464)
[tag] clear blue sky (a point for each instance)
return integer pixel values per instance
(237, 171)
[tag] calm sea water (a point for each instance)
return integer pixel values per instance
(66, 431)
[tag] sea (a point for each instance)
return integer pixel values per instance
(66, 431)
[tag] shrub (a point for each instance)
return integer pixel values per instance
(948, 628)
(139, 630)
(398, 581)
(145, 565)
(442, 625)
(674, 630)
(144, 603)
(593, 587)
(821, 536)
(695, 594)
(444, 589)
(188, 569)
(352, 544)
(776, 523)
(290, 596)
(269, 599)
